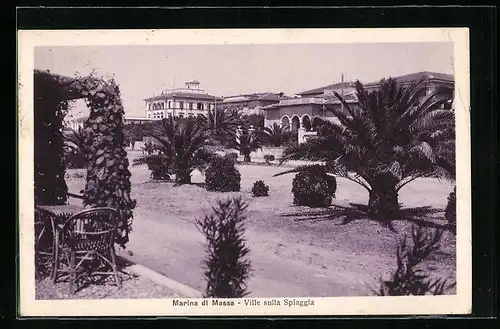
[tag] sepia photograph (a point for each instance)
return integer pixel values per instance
(244, 172)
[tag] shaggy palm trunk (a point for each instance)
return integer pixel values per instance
(183, 176)
(383, 202)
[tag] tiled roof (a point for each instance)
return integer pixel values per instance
(184, 95)
(267, 96)
(401, 79)
(419, 75)
(337, 85)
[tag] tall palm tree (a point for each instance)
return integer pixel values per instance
(181, 144)
(246, 143)
(276, 135)
(394, 135)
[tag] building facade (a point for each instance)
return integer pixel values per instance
(297, 114)
(189, 101)
(251, 103)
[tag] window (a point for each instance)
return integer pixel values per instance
(162, 106)
(181, 105)
(149, 107)
(190, 106)
(181, 115)
(169, 104)
(190, 115)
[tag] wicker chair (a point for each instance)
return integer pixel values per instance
(87, 236)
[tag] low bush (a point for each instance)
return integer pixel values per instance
(268, 158)
(313, 187)
(157, 164)
(409, 278)
(233, 156)
(259, 189)
(227, 268)
(450, 212)
(222, 176)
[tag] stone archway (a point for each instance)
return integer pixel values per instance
(306, 122)
(295, 123)
(285, 122)
(108, 177)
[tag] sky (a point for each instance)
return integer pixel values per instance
(225, 70)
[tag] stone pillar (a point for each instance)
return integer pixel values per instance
(239, 132)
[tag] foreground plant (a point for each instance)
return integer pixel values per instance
(394, 135)
(409, 279)
(226, 266)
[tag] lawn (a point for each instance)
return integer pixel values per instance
(295, 251)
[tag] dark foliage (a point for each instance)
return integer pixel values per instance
(275, 135)
(50, 108)
(74, 149)
(451, 210)
(268, 158)
(148, 148)
(233, 156)
(181, 146)
(259, 189)
(312, 186)
(246, 143)
(222, 175)
(409, 279)
(227, 268)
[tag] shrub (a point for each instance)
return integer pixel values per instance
(268, 158)
(159, 167)
(408, 279)
(259, 189)
(226, 267)
(451, 211)
(313, 187)
(233, 156)
(222, 176)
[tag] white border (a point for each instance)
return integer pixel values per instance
(455, 304)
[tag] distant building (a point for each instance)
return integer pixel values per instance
(298, 113)
(251, 103)
(181, 102)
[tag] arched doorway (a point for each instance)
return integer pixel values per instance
(306, 122)
(285, 122)
(295, 123)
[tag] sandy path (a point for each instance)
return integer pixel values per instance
(280, 267)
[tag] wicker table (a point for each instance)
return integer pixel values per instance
(57, 216)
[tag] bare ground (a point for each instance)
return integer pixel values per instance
(295, 251)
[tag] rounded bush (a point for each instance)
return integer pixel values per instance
(268, 158)
(450, 212)
(313, 187)
(259, 189)
(222, 175)
(233, 156)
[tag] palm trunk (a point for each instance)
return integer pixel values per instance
(183, 177)
(383, 203)
(246, 158)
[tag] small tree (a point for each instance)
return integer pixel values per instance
(246, 143)
(409, 279)
(226, 267)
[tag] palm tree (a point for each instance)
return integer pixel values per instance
(276, 135)
(246, 143)
(74, 140)
(222, 124)
(393, 136)
(181, 144)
